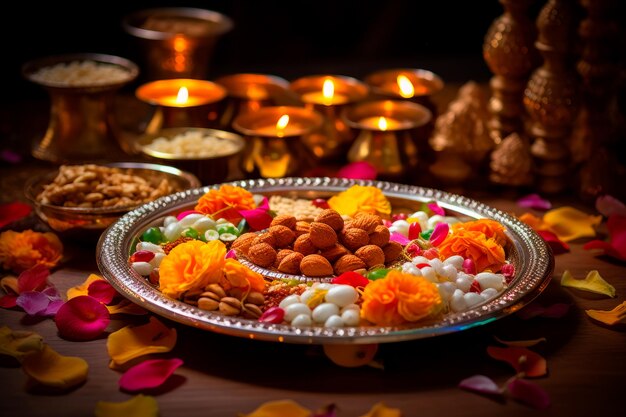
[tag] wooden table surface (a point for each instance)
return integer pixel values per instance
(224, 375)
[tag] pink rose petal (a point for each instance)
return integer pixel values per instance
(185, 213)
(439, 233)
(102, 291)
(480, 384)
(33, 279)
(360, 170)
(53, 308)
(435, 208)
(265, 204)
(258, 218)
(529, 393)
(231, 254)
(82, 318)
(399, 238)
(616, 246)
(607, 205)
(534, 201)
(148, 374)
(557, 245)
(12, 212)
(33, 302)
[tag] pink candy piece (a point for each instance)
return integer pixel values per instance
(142, 256)
(274, 315)
(469, 267)
(185, 214)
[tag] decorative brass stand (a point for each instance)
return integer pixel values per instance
(551, 96)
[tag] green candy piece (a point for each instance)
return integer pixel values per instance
(210, 235)
(426, 235)
(242, 227)
(153, 235)
(228, 237)
(191, 232)
(227, 228)
(377, 274)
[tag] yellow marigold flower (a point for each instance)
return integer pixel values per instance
(490, 228)
(192, 265)
(360, 198)
(399, 298)
(237, 275)
(20, 251)
(226, 202)
(486, 253)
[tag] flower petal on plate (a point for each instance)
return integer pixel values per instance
(480, 384)
(83, 289)
(608, 205)
(399, 238)
(19, 343)
(439, 233)
(569, 223)
(381, 410)
(351, 278)
(359, 170)
(82, 318)
(436, 209)
(557, 245)
(610, 317)
(102, 291)
(279, 408)
(258, 218)
(593, 282)
(521, 343)
(132, 342)
(11, 212)
(49, 368)
(33, 302)
(616, 246)
(138, 406)
(529, 393)
(521, 359)
(127, 307)
(148, 374)
(534, 201)
(33, 279)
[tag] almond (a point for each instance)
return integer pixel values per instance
(302, 228)
(392, 251)
(286, 220)
(372, 255)
(262, 254)
(283, 236)
(353, 238)
(265, 238)
(322, 235)
(281, 255)
(304, 245)
(331, 218)
(366, 221)
(348, 263)
(380, 236)
(243, 242)
(316, 266)
(291, 263)
(334, 252)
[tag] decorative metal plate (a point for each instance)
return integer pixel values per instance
(532, 258)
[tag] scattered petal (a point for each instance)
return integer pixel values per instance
(328, 411)
(102, 291)
(521, 343)
(616, 246)
(610, 317)
(381, 410)
(127, 307)
(33, 279)
(231, 254)
(83, 289)
(148, 374)
(436, 209)
(537, 223)
(399, 238)
(8, 301)
(480, 384)
(258, 218)
(521, 359)
(608, 205)
(529, 393)
(351, 278)
(33, 302)
(360, 170)
(52, 369)
(557, 245)
(279, 408)
(186, 213)
(53, 308)
(9, 284)
(10, 156)
(554, 311)
(593, 282)
(569, 223)
(534, 201)
(132, 342)
(19, 343)
(11, 212)
(439, 233)
(82, 318)
(138, 406)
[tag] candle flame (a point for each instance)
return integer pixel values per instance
(328, 90)
(406, 87)
(382, 123)
(282, 122)
(182, 96)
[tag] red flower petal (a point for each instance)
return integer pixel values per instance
(521, 359)
(360, 170)
(33, 279)
(439, 233)
(102, 291)
(608, 205)
(480, 384)
(351, 278)
(8, 301)
(258, 218)
(556, 244)
(529, 393)
(534, 201)
(414, 230)
(148, 374)
(12, 212)
(616, 246)
(82, 318)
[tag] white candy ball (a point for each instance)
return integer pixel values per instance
(350, 307)
(149, 246)
(434, 220)
(322, 312)
(351, 317)
(409, 268)
(420, 260)
(290, 299)
(446, 289)
(169, 220)
(204, 224)
(450, 272)
(430, 274)
(189, 219)
(156, 261)
(142, 268)
(464, 282)
(172, 231)
(292, 310)
(457, 302)
(489, 293)
(306, 296)
(334, 321)
(490, 280)
(472, 299)
(455, 260)
(342, 295)
(302, 320)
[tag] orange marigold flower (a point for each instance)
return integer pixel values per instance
(486, 253)
(238, 275)
(490, 228)
(360, 198)
(226, 202)
(192, 265)
(400, 298)
(20, 251)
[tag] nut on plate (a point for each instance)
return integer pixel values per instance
(262, 254)
(348, 263)
(286, 220)
(290, 264)
(353, 238)
(242, 243)
(331, 218)
(372, 255)
(281, 255)
(392, 251)
(366, 221)
(380, 236)
(302, 228)
(230, 306)
(334, 252)
(316, 266)
(265, 238)
(322, 235)
(304, 245)
(283, 236)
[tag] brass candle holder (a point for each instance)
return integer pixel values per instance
(388, 133)
(182, 103)
(250, 92)
(274, 147)
(329, 95)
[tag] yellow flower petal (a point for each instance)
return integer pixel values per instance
(83, 288)
(132, 342)
(126, 307)
(360, 198)
(50, 368)
(569, 223)
(138, 406)
(592, 283)
(19, 343)
(9, 285)
(381, 410)
(610, 317)
(280, 408)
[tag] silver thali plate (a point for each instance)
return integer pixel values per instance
(532, 258)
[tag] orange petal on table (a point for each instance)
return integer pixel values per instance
(126, 307)
(132, 342)
(521, 343)
(9, 284)
(381, 410)
(19, 343)
(610, 317)
(279, 408)
(593, 282)
(521, 359)
(138, 406)
(569, 223)
(50, 368)
(535, 222)
(83, 289)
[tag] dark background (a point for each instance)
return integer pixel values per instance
(284, 38)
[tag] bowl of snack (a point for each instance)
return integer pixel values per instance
(80, 201)
(210, 154)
